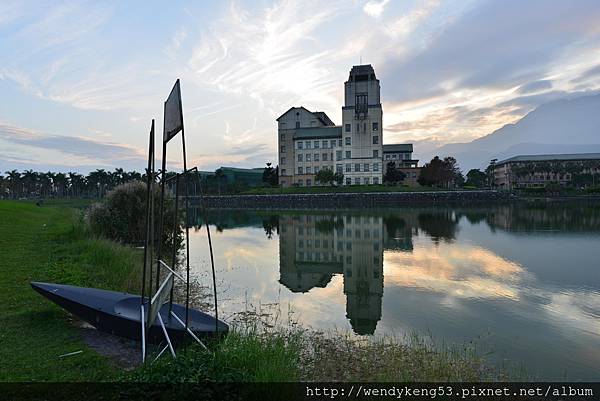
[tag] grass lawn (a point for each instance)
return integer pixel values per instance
(48, 244)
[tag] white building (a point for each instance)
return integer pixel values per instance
(310, 141)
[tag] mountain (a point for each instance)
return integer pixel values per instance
(562, 126)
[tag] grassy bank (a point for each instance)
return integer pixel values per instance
(49, 243)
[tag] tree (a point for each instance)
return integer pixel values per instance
(476, 178)
(221, 178)
(271, 175)
(325, 176)
(393, 175)
(441, 173)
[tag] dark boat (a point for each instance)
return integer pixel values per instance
(119, 313)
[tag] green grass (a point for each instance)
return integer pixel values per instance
(48, 243)
(339, 189)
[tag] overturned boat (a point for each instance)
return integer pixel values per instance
(119, 313)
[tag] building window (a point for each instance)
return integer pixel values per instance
(283, 149)
(316, 144)
(332, 143)
(357, 167)
(300, 145)
(348, 140)
(307, 157)
(308, 182)
(308, 144)
(299, 157)
(300, 183)
(366, 166)
(348, 127)
(357, 181)
(339, 168)
(338, 155)
(357, 127)
(297, 124)
(375, 126)
(283, 171)
(299, 170)
(366, 180)
(387, 157)
(348, 167)
(375, 180)
(339, 143)
(375, 166)
(348, 155)
(308, 170)
(316, 157)
(361, 103)
(348, 181)
(325, 144)
(324, 157)
(283, 160)
(282, 137)
(316, 169)
(394, 156)
(375, 153)
(375, 139)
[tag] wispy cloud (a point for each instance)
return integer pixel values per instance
(84, 151)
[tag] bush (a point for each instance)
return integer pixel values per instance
(121, 216)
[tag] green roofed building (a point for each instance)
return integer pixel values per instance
(251, 177)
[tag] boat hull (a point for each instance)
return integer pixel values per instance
(119, 313)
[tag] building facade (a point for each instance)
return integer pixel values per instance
(537, 171)
(310, 141)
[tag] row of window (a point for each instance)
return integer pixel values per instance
(325, 144)
(374, 127)
(339, 168)
(349, 181)
(400, 156)
(357, 234)
(363, 180)
(318, 256)
(309, 157)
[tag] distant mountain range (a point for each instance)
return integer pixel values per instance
(561, 126)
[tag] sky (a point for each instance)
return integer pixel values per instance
(80, 82)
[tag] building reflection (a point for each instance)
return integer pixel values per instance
(312, 248)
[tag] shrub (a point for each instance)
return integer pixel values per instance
(121, 215)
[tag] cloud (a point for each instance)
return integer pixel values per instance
(375, 8)
(535, 86)
(29, 145)
(593, 72)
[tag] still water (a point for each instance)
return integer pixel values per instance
(521, 282)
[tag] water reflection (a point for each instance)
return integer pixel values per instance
(527, 275)
(312, 248)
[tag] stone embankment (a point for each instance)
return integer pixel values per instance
(352, 200)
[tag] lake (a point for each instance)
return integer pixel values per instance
(520, 281)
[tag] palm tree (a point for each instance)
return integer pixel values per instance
(15, 185)
(30, 181)
(60, 183)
